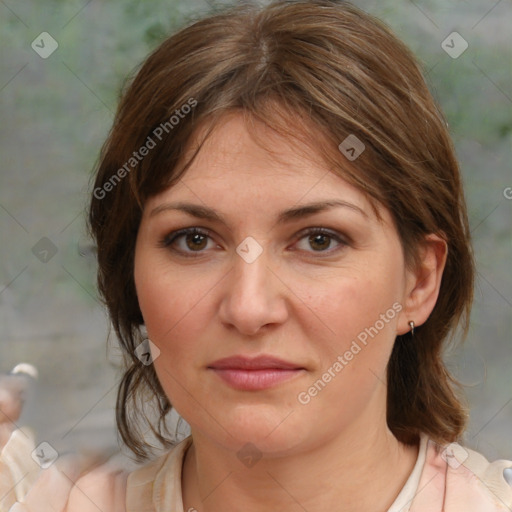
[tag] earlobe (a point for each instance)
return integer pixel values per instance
(423, 284)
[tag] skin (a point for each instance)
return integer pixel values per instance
(11, 405)
(304, 300)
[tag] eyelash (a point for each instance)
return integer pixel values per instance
(171, 238)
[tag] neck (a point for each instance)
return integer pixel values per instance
(351, 472)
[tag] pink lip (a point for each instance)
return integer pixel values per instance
(254, 374)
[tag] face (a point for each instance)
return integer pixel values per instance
(321, 290)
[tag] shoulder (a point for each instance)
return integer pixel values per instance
(103, 488)
(114, 488)
(494, 477)
(471, 482)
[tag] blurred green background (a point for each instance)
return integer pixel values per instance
(55, 115)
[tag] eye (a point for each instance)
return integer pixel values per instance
(320, 239)
(194, 240)
(191, 240)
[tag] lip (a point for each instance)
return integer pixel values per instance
(253, 374)
(262, 362)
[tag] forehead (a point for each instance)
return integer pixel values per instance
(236, 138)
(241, 154)
(244, 171)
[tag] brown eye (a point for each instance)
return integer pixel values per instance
(321, 240)
(186, 241)
(195, 241)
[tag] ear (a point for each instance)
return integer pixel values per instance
(423, 283)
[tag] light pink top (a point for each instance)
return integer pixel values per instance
(452, 480)
(444, 479)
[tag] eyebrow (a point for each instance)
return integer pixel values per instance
(286, 216)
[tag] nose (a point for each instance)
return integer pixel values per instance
(253, 296)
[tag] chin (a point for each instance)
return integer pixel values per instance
(272, 430)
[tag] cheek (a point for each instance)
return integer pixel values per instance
(357, 327)
(351, 306)
(168, 304)
(168, 315)
(163, 295)
(175, 310)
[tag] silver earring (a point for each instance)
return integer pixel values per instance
(411, 325)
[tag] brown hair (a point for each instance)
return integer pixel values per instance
(335, 69)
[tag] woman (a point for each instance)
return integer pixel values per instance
(284, 249)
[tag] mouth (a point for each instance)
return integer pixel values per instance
(254, 374)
